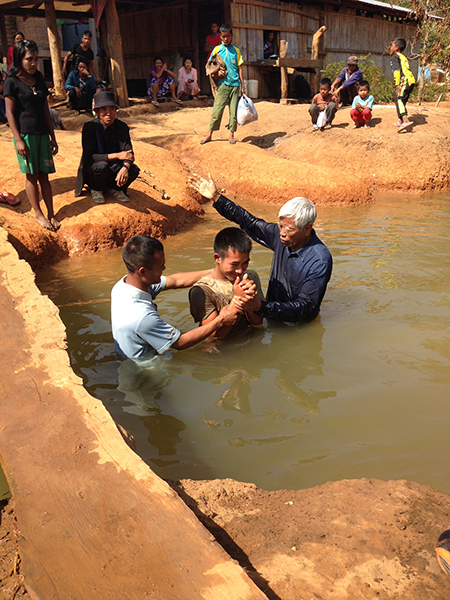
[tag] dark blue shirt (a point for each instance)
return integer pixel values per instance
(298, 280)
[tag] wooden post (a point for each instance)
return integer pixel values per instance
(3, 36)
(314, 79)
(54, 43)
(119, 81)
(284, 77)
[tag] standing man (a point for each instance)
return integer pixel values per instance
(79, 52)
(212, 40)
(301, 265)
(347, 82)
(107, 163)
(228, 87)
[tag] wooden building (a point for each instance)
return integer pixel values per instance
(180, 27)
(174, 29)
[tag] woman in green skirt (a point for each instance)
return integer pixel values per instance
(29, 118)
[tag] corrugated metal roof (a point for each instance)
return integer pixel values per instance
(386, 5)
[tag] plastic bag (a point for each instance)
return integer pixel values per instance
(322, 119)
(246, 111)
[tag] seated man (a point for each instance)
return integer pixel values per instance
(107, 163)
(232, 248)
(81, 87)
(301, 265)
(347, 82)
(136, 325)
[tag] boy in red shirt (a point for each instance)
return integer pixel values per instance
(323, 102)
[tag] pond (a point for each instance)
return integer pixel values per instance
(363, 391)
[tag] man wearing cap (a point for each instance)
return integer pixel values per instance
(347, 82)
(107, 163)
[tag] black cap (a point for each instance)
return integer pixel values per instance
(104, 98)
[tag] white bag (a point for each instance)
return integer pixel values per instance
(246, 111)
(322, 119)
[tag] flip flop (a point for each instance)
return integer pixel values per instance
(232, 141)
(405, 126)
(10, 199)
(204, 141)
(178, 101)
(155, 103)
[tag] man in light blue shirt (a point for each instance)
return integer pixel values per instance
(228, 88)
(136, 325)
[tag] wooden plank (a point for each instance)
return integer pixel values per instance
(95, 522)
(281, 6)
(273, 28)
(298, 63)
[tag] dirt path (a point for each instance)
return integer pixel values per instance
(276, 158)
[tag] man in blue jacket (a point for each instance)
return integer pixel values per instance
(81, 87)
(301, 265)
(347, 83)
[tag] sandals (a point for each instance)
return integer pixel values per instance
(178, 101)
(155, 103)
(8, 198)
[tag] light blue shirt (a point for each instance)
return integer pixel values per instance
(136, 325)
(367, 103)
(232, 58)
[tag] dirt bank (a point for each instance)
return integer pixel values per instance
(275, 158)
(344, 540)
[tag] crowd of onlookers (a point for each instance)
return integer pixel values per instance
(107, 164)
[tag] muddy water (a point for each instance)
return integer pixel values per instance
(361, 392)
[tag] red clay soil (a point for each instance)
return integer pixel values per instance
(276, 158)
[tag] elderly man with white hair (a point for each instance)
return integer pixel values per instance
(301, 265)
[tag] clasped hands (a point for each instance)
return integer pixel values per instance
(245, 295)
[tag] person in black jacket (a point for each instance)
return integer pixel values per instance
(107, 163)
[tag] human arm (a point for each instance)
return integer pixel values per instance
(94, 70)
(369, 102)
(49, 121)
(355, 77)
(171, 73)
(261, 232)
(226, 318)
(10, 105)
(337, 82)
(241, 79)
(66, 60)
(184, 280)
(71, 83)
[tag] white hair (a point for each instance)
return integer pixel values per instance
(302, 210)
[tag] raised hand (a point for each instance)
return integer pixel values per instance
(206, 188)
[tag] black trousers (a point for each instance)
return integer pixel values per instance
(402, 99)
(102, 175)
(83, 103)
(347, 94)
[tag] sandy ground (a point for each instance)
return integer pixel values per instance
(343, 540)
(276, 158)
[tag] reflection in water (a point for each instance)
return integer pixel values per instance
(360, 392)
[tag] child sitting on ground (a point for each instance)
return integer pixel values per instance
(323, 107)
(361, 111)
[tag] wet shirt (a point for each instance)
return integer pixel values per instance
(29, 109)
(232, 58)
(210, 294)
(136, 325)
(298, 280)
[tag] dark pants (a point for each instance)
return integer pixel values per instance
(402, 99)
(330, 111)
(102, 175)
(347, 94)
(82, 103)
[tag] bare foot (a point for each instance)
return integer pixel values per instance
(231, 139)
(206, 139)
(44, 222)
(55, 223)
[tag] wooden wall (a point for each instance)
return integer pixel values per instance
(155, 32)
(349, 34)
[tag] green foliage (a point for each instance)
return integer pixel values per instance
(381, 88)
(431, 91)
